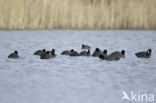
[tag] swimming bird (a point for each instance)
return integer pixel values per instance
(144, 54)
(109, 57)
(73, 53)
(45, 55)
(14, 55)
(52, 55)
(85, 46)
(85, 53)
(119, 54)
(38, 52)
(43, 52)
(66, 52)
(105, 52)
(97, 52)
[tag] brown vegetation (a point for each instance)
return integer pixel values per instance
(78, 14)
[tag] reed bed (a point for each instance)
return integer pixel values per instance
(77, 14)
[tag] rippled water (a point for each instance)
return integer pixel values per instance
(74, 79)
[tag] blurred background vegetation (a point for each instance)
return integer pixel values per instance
(77, 14)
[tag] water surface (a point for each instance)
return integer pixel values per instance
(74, 79)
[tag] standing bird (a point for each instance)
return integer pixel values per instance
(14, 55)
(85, 46)
(144, 54)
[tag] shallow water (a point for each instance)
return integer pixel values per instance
(75, 79)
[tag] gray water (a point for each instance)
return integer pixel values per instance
(75, 79)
